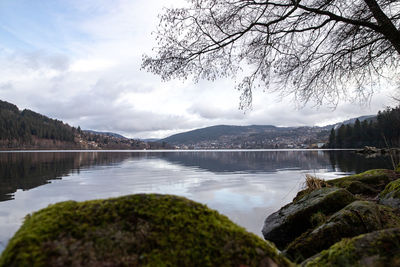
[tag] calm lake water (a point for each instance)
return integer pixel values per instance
(246, 186)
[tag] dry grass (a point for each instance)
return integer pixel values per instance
(313, 183)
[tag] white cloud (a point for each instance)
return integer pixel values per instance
(87, 65)
(93, 79)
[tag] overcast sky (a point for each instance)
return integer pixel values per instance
(79, 61)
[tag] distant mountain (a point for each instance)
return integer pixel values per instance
(215, 132)
(106, 133)
(252, 136)
(362, 118)
(151, 139)
(256, 136)
(351, 121)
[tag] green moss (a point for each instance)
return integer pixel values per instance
(379, 248)
(366, 183)
(356, 218)
(340, 254)
(149, 230)
(301, 194)
(392, 190)
(390, 196)
(317, 219)
(285, 225)
(397, 169)
(357, 187)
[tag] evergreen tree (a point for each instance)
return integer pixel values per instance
(357, 132)
(332, 139)
(341, 137)
(348, 140)
(22, 126)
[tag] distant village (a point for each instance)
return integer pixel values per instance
(310, 138)
(279, 144)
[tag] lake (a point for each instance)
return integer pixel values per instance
(245, 185)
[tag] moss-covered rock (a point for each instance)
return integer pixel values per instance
(397, 169)
(283, 226)
(379, 248)
(368, 183)
(149, 230)
(390, 196)
(356, 218)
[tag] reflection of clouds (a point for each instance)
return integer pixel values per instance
(248, 198)
(163, 165)
(244, 195)
(252, 161)
(245, 198)
(238, 201)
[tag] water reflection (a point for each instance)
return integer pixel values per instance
(351, 162)
(250, 161)
(245, 186)
(273, 161)
(29, 170)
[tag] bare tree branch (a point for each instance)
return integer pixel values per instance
(317, 50)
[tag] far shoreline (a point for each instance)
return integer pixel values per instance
(176, 150)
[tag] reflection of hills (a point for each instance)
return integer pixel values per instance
(251, 161)
(351, 162)
(29, 170)
(272, 161)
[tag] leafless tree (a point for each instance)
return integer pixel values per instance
(317, 50)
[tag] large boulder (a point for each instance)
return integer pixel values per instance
(356, 218)
(149, 230)
(390, 196)
(368, 183)
(379, 248)
(283, 226)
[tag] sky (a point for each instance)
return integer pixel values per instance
(79, 61)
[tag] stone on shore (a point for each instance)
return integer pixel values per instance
(390, 196)
(145, 230)
(356, 218)
(285, 225)
(368, 183)
(378, 248)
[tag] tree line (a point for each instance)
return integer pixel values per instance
(27, 128)
(383, 131)
(23, 126)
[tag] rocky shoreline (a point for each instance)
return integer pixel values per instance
(349, 221)
(371, 151)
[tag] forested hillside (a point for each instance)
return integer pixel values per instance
(382, 132)
(30, 130)
(25, 126)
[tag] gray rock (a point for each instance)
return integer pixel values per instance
(390, 196)
(379, 248)
(367, 184)
(283, 226)
(356, 218)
